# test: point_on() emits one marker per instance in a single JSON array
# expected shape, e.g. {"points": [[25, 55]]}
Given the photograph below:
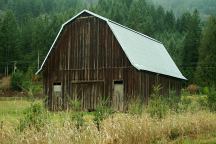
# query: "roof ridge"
{"points": [[108, 20], [135, 31]]}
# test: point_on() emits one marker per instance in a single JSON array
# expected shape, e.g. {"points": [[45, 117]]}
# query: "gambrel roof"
{"points": [[144, 52]]}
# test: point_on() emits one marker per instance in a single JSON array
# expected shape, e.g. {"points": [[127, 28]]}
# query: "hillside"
{"points": [[205, 7]]}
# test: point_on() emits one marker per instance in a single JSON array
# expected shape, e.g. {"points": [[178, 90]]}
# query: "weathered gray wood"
{"points": [[88, 57]]}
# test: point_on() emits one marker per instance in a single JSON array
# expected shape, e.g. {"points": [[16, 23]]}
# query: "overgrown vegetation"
{"points": [[212, 99], [34, 117], [38, 126], [135, 107], [21, 81], [101, 112]]}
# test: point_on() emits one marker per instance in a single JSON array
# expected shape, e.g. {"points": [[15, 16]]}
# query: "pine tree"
{"points": [[118, 10], [207, 61], [140, 17], [191, 45], [9, 39]]}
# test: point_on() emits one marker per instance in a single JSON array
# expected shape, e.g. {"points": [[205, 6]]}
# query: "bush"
{"points": [[101, 112], [75, 105], [172, 100], [192, 103], [79, 120], [205, 90], [34, 116], [17, 80], [135, 107], [157, 106], [193, 89], [212, 99]]}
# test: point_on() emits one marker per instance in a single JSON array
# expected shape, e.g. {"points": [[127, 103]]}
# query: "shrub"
{"points": [[192, 103], [78, 119], [172, 100], [75, 105], [193, 89], [157, 106], [135, 107], [17, 80], [34, 116], [205, 90], [212, 99], [101, 112]]}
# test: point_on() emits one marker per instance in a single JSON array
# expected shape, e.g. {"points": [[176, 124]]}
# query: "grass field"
{"points": [[187, 127]]}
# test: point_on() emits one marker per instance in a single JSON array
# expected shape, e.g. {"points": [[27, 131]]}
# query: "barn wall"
{"points": [[87, 59]]}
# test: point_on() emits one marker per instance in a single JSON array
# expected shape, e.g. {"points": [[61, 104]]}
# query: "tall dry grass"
{"points": [[118, 128]]}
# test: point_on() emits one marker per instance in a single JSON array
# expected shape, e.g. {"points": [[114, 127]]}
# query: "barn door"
{"points": [[118, 96], [87, 93], [57, 97]]}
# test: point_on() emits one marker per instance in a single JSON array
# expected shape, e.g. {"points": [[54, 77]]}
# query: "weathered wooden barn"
{"points": [[94, 58]]}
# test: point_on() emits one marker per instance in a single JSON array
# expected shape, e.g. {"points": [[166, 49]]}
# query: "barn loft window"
{"points": [[118, 82], [57, 87], [57, 96], [118, 95]]}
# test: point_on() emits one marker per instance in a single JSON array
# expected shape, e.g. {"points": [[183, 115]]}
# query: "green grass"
{"points": [[12, 109]]}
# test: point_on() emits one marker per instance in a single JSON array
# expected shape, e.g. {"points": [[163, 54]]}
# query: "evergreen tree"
{"points": [[207, 61], [140, 17], [183, 23], [9, 39], [118, 11], [191, 45], [169, 21]]}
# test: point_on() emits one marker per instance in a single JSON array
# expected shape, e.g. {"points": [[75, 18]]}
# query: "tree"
{"points": [[118, 11], [169, 21], [191, 45], [140, 17], [9, 39], [207, 61], [183, 23]]}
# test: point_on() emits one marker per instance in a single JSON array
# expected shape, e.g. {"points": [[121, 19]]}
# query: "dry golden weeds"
{"points": [[117, 129]]}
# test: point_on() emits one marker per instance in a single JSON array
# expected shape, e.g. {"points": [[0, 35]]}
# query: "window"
{"points": [[57, 87], [118, 82]]}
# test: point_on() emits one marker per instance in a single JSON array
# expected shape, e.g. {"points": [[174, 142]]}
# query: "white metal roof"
{"points": [[144, 53]]}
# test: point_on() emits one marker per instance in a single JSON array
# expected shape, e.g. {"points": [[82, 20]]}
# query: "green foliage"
{"points": [[75, 105], [172, 100], [136, 107], [34, 117], [212, 99], [205, 90], [9, 44], [157, 106], [78, 119], [16, 80], [23, 81], [101, 112], [206, 68], [193, 103], [191, 46]]}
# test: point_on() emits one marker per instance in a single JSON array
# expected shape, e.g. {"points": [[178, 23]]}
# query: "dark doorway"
{"points": [[118, 95]]}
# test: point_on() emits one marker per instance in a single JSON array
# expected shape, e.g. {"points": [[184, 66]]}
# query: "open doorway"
{"points": [[118, 95], [57, 96]]}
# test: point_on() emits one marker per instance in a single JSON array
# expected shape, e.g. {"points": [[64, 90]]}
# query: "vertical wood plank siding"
{"points": [[86, 60]]}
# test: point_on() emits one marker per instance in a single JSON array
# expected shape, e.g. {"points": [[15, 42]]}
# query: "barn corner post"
{"points": [[93, 57]]}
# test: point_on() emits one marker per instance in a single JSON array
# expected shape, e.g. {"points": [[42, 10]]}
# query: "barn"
{"points": [[93, 59]]}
